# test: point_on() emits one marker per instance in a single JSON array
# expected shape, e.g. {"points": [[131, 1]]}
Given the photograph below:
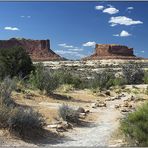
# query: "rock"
{"points": [[52, 126], [122, 95], [82, 115], [98, 104], [108, 92], [125, 104], [63, 126], [117, 106], [39, 50], [81, 110], [132, 98], [87, 111], [125, 110], [102, 95], [111, 51]]}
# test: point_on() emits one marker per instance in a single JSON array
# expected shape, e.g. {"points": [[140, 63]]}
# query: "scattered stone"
{"points": [[82, 115], [125, 110], [87, 111], [108, 92], [98, 104], [63, 126], [81, 110], [132, 98], [102, 94], [117, 106]]}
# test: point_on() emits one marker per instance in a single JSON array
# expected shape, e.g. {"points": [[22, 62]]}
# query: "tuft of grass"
{"points": [[135, 126], [25, 123], [68, 114], [65, 88]]}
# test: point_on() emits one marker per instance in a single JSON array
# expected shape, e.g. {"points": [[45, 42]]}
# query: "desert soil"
{"points": [[103, 121]]}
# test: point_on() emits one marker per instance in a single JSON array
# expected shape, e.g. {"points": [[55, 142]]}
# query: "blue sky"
{"points": [[74, 27]]}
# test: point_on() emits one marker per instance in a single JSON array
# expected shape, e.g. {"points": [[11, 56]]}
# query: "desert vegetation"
{"points": [[21, 81]]}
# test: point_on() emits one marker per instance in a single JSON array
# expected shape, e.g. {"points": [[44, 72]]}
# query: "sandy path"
{"points": [[99, 134]]}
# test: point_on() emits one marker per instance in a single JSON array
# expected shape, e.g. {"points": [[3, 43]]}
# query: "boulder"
{"points": [[81, 110]]}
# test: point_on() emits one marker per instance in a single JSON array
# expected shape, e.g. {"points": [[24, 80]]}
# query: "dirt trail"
{"points": [[99, 134]]}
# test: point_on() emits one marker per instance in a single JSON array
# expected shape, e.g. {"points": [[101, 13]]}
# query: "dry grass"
{"points": [[48, 106]]}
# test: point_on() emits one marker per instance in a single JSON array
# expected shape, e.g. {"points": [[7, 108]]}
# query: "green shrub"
{"points": [[68, 114], [65, 77], [103, 80], [133, 73], [135, 126], [146, 77], [26, 123], [6, 88], [14, 62], [5, 113], [64, 88], [42, 79]]}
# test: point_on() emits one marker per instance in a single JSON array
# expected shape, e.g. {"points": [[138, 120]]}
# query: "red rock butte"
{"points": [[112, 51], [39, 50]]}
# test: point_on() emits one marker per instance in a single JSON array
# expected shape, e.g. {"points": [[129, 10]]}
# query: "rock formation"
{"points": [[111, 51], [39, 50]]}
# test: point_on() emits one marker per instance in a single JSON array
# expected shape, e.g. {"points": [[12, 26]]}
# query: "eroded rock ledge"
{"points": [[112, 51], [39, 50]]}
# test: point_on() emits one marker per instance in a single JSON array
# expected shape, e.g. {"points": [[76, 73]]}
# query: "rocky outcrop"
{"points": [[39, 50], [111, 51]]}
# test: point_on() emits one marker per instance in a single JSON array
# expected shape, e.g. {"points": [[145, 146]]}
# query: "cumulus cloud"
{"points": [[12, 28], [65, 45], [123, 33], [130, 8], [89, 44], [123, 20], [99, 7], [111, 10], [143, 51]]}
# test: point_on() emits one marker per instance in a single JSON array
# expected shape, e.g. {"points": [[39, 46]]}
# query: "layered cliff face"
{"points": [[111, 51], [39, 50]]}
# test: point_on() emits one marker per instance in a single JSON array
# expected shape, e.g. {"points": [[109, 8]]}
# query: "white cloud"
{"points": [[23, 16], [99, 7], [76, 49], [123, 20], [123, 33], [89, 44], [12, 28], [130, 8], [142, 51], [65, 52], [111, 10], [70, 54], [65, 45]]}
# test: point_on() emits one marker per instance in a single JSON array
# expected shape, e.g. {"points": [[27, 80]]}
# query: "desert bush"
{"points": [[65, 88], [146, 77], [42, 79], [14, 62], [6, 88], [26, 123], [65, 77], [105, 80], [135, 126], [133, 73], [68, 114], [5, 113]]}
